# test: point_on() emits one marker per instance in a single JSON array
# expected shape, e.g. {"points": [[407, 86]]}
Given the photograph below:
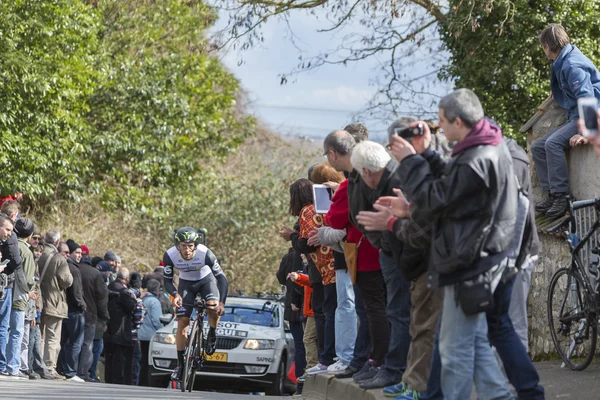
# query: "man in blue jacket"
{"points": [[573, 76]]}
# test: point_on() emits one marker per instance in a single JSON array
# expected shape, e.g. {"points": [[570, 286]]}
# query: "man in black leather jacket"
{"points": [[474, 205]]}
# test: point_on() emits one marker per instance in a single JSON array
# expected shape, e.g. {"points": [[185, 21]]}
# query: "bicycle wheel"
{"points": [[189, 371], [573, 324], [196, 353]]}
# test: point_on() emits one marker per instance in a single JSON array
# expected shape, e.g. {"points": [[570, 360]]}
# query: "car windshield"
{"points": [[251, 314]]}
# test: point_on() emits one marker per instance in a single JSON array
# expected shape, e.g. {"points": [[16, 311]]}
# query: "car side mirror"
{"points": [[286, 326], [165, 319]]}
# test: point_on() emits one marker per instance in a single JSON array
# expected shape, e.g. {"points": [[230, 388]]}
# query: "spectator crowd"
{"points": [[422, 264], [62, 309]]}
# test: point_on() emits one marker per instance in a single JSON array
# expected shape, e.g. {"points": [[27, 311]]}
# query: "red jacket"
{"points": [[307, 308], [338, 217]]}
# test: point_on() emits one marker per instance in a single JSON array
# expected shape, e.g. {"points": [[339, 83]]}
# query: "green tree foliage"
{"points": [[163, 107], [47, 52], [117, 98], [495, 50]]}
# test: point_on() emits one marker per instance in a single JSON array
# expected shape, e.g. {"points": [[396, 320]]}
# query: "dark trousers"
{"points": [[329, 306], [318, 299], [97, 351], [144, 348], [398, 314], [372, 291], [297, 331], [36, 359], [518, 366], [86, 356], [74, 328], [119, 363], [362, 345], [434, 383], [137, 358]]}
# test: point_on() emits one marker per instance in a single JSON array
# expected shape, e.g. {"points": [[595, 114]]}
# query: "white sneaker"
{"points": [[75, 379], [317, 369], [339, 366]]}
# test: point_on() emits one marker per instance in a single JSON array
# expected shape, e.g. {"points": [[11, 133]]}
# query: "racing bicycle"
{"points": [[573, 298], [195, 351]]}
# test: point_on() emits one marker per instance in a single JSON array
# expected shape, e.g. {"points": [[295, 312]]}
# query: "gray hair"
{"points": [[52, 236], [123, 273], [358, 131], [463, 104], [339, 141], [153, 285], [369, 155], [62, 244], [400, 123]]}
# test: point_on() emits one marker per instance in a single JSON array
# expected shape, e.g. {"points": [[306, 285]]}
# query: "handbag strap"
{"points": [[360, 241], [46, 267]]}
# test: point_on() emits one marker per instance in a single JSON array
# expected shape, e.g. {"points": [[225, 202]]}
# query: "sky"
{"points": [[312, 103]]}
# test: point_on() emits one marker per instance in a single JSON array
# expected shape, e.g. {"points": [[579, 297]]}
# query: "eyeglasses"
{"points": [[326, 153], [36, 238]]}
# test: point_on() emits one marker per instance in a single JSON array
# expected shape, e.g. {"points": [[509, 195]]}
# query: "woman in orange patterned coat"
{"points": [[301, 205]]}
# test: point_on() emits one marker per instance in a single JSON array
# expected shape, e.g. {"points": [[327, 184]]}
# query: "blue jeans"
{"points": [[518, 366], [550, 159], [5, 309], [97, 350], [345, 317], [362, 345], [86, 356], [297, 331], [329, 306], [36, 357], [75, 330], [398, 314], [467, 355], [15, 339]]}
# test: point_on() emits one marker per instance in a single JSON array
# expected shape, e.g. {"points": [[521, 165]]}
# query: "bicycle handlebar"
{"points": [[585, 203]]}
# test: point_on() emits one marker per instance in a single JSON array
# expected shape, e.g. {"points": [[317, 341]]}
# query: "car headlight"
{"points": [[166, 338], [259, 344]]}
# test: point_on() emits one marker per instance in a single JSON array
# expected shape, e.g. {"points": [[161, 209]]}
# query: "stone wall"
{"points": [[584, 176]]}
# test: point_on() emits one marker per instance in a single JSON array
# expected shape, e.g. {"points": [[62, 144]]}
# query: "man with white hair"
{"points": [[410, 242]]}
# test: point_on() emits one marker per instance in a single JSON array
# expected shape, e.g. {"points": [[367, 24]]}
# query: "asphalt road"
{"points": [[40, 389]]}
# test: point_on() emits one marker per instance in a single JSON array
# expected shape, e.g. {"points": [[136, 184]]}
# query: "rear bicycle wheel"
{"points": [[189, 371], [573, 324]]}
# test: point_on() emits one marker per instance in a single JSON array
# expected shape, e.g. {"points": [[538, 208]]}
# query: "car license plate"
{"points": [[217, 357]]}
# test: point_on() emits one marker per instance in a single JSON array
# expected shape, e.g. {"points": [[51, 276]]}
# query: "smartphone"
{"points": [[322, 198], [588, 112]]}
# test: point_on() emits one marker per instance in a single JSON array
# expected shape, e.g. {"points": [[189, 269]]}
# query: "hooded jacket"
{"points": [[573, 76], [473, 204]]}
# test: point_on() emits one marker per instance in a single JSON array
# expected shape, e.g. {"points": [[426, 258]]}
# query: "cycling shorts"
{"points": [[188, 290]]}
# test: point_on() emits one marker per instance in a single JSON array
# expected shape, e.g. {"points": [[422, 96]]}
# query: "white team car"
{"points": [[255, 351]]}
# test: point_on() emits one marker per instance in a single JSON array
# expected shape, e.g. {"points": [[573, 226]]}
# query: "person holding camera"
{"points": [[473, 205], [573, 76]]}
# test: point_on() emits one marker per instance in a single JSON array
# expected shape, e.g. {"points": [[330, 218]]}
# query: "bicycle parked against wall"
{"points": [[573, 297]]}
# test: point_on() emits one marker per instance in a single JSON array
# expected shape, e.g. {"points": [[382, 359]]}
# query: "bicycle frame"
{"points": [[578, 268]]}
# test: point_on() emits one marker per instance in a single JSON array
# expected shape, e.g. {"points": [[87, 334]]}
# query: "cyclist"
{"points": [[199, 274]]}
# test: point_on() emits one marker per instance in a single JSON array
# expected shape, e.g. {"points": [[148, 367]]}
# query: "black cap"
{"points": [[24, 227], [72, 245]]}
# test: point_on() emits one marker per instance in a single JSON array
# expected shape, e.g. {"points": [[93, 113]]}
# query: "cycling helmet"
{"points": [[186, 235]]}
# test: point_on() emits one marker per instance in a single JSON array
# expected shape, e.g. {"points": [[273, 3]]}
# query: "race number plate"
{"points": [[217, 357]]}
